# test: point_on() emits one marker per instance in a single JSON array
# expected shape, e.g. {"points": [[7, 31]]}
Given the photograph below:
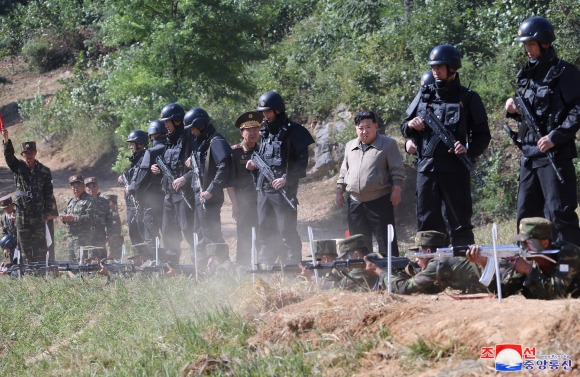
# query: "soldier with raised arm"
{"points": [[34, 197]]}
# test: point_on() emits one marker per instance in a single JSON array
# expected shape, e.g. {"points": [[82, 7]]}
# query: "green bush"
{"points": [[43, 54]]}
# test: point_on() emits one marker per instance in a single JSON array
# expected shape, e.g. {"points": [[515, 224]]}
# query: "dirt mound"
{"points": [[447, 333]]}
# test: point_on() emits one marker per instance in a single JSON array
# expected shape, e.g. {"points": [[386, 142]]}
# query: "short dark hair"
{"points": [[364, 115]]}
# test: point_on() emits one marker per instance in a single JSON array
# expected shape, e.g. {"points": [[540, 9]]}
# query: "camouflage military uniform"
{"points": [[103, 222], [564, 277], [440, 273], [117, 240], [561, 280], [8, 225], [351, 280], [80, 231], [34, 201]]}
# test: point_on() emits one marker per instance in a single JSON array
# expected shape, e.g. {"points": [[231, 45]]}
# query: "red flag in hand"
{"points": [[1, 124]]}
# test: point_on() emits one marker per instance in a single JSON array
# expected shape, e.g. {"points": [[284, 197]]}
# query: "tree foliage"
{"points": [[134, 56]]}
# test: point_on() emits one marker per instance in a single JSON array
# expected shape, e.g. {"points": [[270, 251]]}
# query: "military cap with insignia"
{"points": [[218, 249], [76, 178], [28, 146], [353, 243], [534, 227], [249, 119], [325, 247], [91, 180], [5, 201], [429, 238]]}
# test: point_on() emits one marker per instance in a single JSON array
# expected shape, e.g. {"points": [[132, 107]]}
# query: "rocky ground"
{"points": [[454, 330]]}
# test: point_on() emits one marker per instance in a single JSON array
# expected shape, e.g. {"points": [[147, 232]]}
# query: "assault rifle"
{"points": [[449, 140], [54, 267], [397, 263], [197, 174], [529, 121], [276, 268], [133, 201], [503, 251], [170, 177], [267, 173]]}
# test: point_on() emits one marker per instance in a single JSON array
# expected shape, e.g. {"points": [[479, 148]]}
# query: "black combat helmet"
{"points": [[271, 101], [173, 112], [445, 54], [156, 127], [8, 242], [139, 137], [427, 78], [196, 118], [536, 28]]}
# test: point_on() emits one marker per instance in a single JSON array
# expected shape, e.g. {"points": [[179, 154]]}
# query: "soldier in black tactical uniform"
{"points": [[284, 148], [146, 186], [177, 216], [138, 140], [214, 164], [551, 87], [443, 182]]}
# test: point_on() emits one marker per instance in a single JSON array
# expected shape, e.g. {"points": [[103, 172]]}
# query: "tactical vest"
{"points": [[452, 115], [545, 100], [275, 149]]}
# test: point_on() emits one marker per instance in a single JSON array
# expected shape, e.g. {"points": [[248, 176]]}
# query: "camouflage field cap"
{"points": [[325, 247], [28, 146], [218, 250], [535, 227], [429, 238], [111, 197], [249, 119], [352, 243], [76, 178], [91, 180], [5, 201]]}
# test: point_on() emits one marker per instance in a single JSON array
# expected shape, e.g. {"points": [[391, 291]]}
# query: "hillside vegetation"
{"points": [[131, 57]]}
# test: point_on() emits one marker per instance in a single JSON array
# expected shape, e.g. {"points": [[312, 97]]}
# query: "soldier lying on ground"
{"points": [[540, 279], [435, 274], [354, 279]]}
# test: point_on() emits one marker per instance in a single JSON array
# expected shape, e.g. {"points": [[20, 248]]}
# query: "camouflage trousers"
{"points": [[32, 237], [74, 245]]}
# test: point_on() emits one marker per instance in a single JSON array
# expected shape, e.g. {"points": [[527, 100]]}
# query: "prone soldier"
{"points": [[436, 274], [541, 279]]}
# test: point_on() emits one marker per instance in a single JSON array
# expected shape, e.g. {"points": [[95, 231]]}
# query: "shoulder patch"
{"points": [[237, 146]]}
